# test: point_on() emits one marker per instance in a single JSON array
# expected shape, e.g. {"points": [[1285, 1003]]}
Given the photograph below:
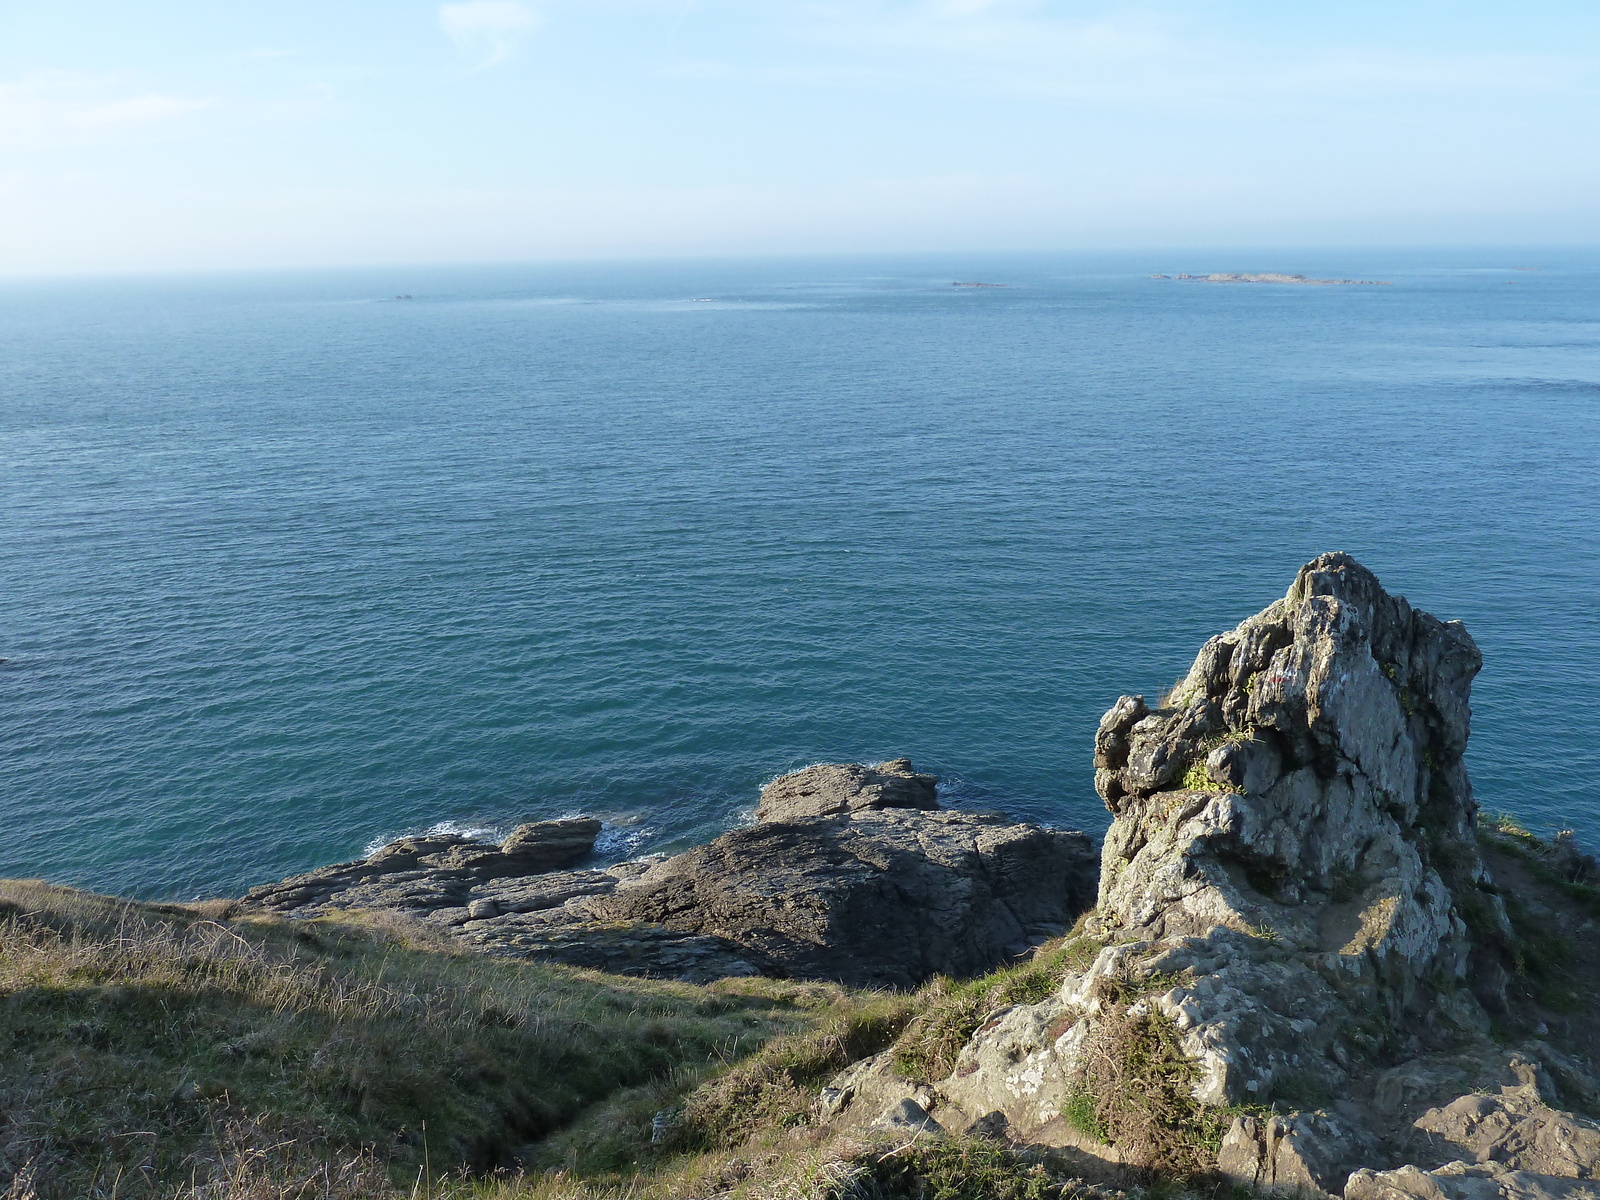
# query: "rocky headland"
{"points": [[1300, 962], [1300, 973], [1293, 966]]}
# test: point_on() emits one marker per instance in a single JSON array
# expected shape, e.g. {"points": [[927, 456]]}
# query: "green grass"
{"points": [[1081, 1111], [721, 1105], [1143, 1081], [150, 1045]]}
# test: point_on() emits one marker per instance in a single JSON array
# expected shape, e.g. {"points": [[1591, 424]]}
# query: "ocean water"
{"points": [[289, 566]]}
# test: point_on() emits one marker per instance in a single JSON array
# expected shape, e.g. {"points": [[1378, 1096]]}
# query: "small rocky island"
{"points": [[1274, 277]]}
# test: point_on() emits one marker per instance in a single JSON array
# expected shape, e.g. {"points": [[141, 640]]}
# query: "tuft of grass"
{"points": [[1081, 1111], [1344, 884], [1143, 1084], [1176, 696]]}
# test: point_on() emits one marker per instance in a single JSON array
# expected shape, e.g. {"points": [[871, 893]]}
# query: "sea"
{"points": [[295, 563]]}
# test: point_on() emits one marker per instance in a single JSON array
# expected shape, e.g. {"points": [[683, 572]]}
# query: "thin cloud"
{"points": [[1139, 59], [55, 109], [486, 32]]}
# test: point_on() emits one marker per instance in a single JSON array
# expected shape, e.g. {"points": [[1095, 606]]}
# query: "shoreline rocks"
{"points": [[852, 873]]}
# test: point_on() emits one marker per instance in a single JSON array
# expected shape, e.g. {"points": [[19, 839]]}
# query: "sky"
{"points": [[156, 135]]}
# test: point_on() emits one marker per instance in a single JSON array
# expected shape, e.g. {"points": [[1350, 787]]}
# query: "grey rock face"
{"points": [[833, 788], [1464, 1181], [1292, 1153], [1518, 1131], [1293, 833], [877, 897]]}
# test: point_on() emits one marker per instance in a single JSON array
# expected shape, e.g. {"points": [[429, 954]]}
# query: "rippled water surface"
{"points": [[287, 566]]}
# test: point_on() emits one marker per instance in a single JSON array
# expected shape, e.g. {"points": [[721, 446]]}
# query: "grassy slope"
{"points": [[148, 1049], [149, 1045], [162, 1050]]}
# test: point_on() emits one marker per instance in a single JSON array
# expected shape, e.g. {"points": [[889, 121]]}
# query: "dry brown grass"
{"points": [[1142, 1085]]}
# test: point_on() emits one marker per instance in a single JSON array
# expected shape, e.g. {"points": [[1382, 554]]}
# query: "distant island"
{"points": [[1272, 277], [980, 285]]}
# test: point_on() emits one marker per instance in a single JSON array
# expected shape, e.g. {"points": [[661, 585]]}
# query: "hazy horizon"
{"points": [[1111, 261], [177, 137]]}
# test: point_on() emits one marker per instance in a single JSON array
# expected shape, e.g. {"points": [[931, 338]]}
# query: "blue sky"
{"points": [[183, 134]]}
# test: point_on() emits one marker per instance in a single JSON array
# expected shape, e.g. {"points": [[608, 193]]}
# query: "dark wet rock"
{"points": [[833, 788], [419, 875], [877, 897]]}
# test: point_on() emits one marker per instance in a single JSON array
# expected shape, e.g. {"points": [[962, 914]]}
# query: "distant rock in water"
{"points": [[1274, 277], [850, 875], [1298, 953]]}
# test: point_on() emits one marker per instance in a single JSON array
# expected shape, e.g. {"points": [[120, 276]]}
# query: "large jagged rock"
{"points": [[858, 882], [1293, 833], [1299, 946]]}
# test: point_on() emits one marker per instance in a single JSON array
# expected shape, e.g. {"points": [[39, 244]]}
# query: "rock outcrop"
{"points": [[830, 789], [851, 874], [1297, 952], [424, 875], [871, 897]]}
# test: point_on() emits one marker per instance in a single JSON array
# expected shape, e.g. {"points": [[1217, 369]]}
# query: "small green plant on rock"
{"points": [[1344, 885], [1082, 1113]]}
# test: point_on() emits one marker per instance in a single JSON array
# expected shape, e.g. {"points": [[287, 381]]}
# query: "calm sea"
{"points": [[289, 566]]}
